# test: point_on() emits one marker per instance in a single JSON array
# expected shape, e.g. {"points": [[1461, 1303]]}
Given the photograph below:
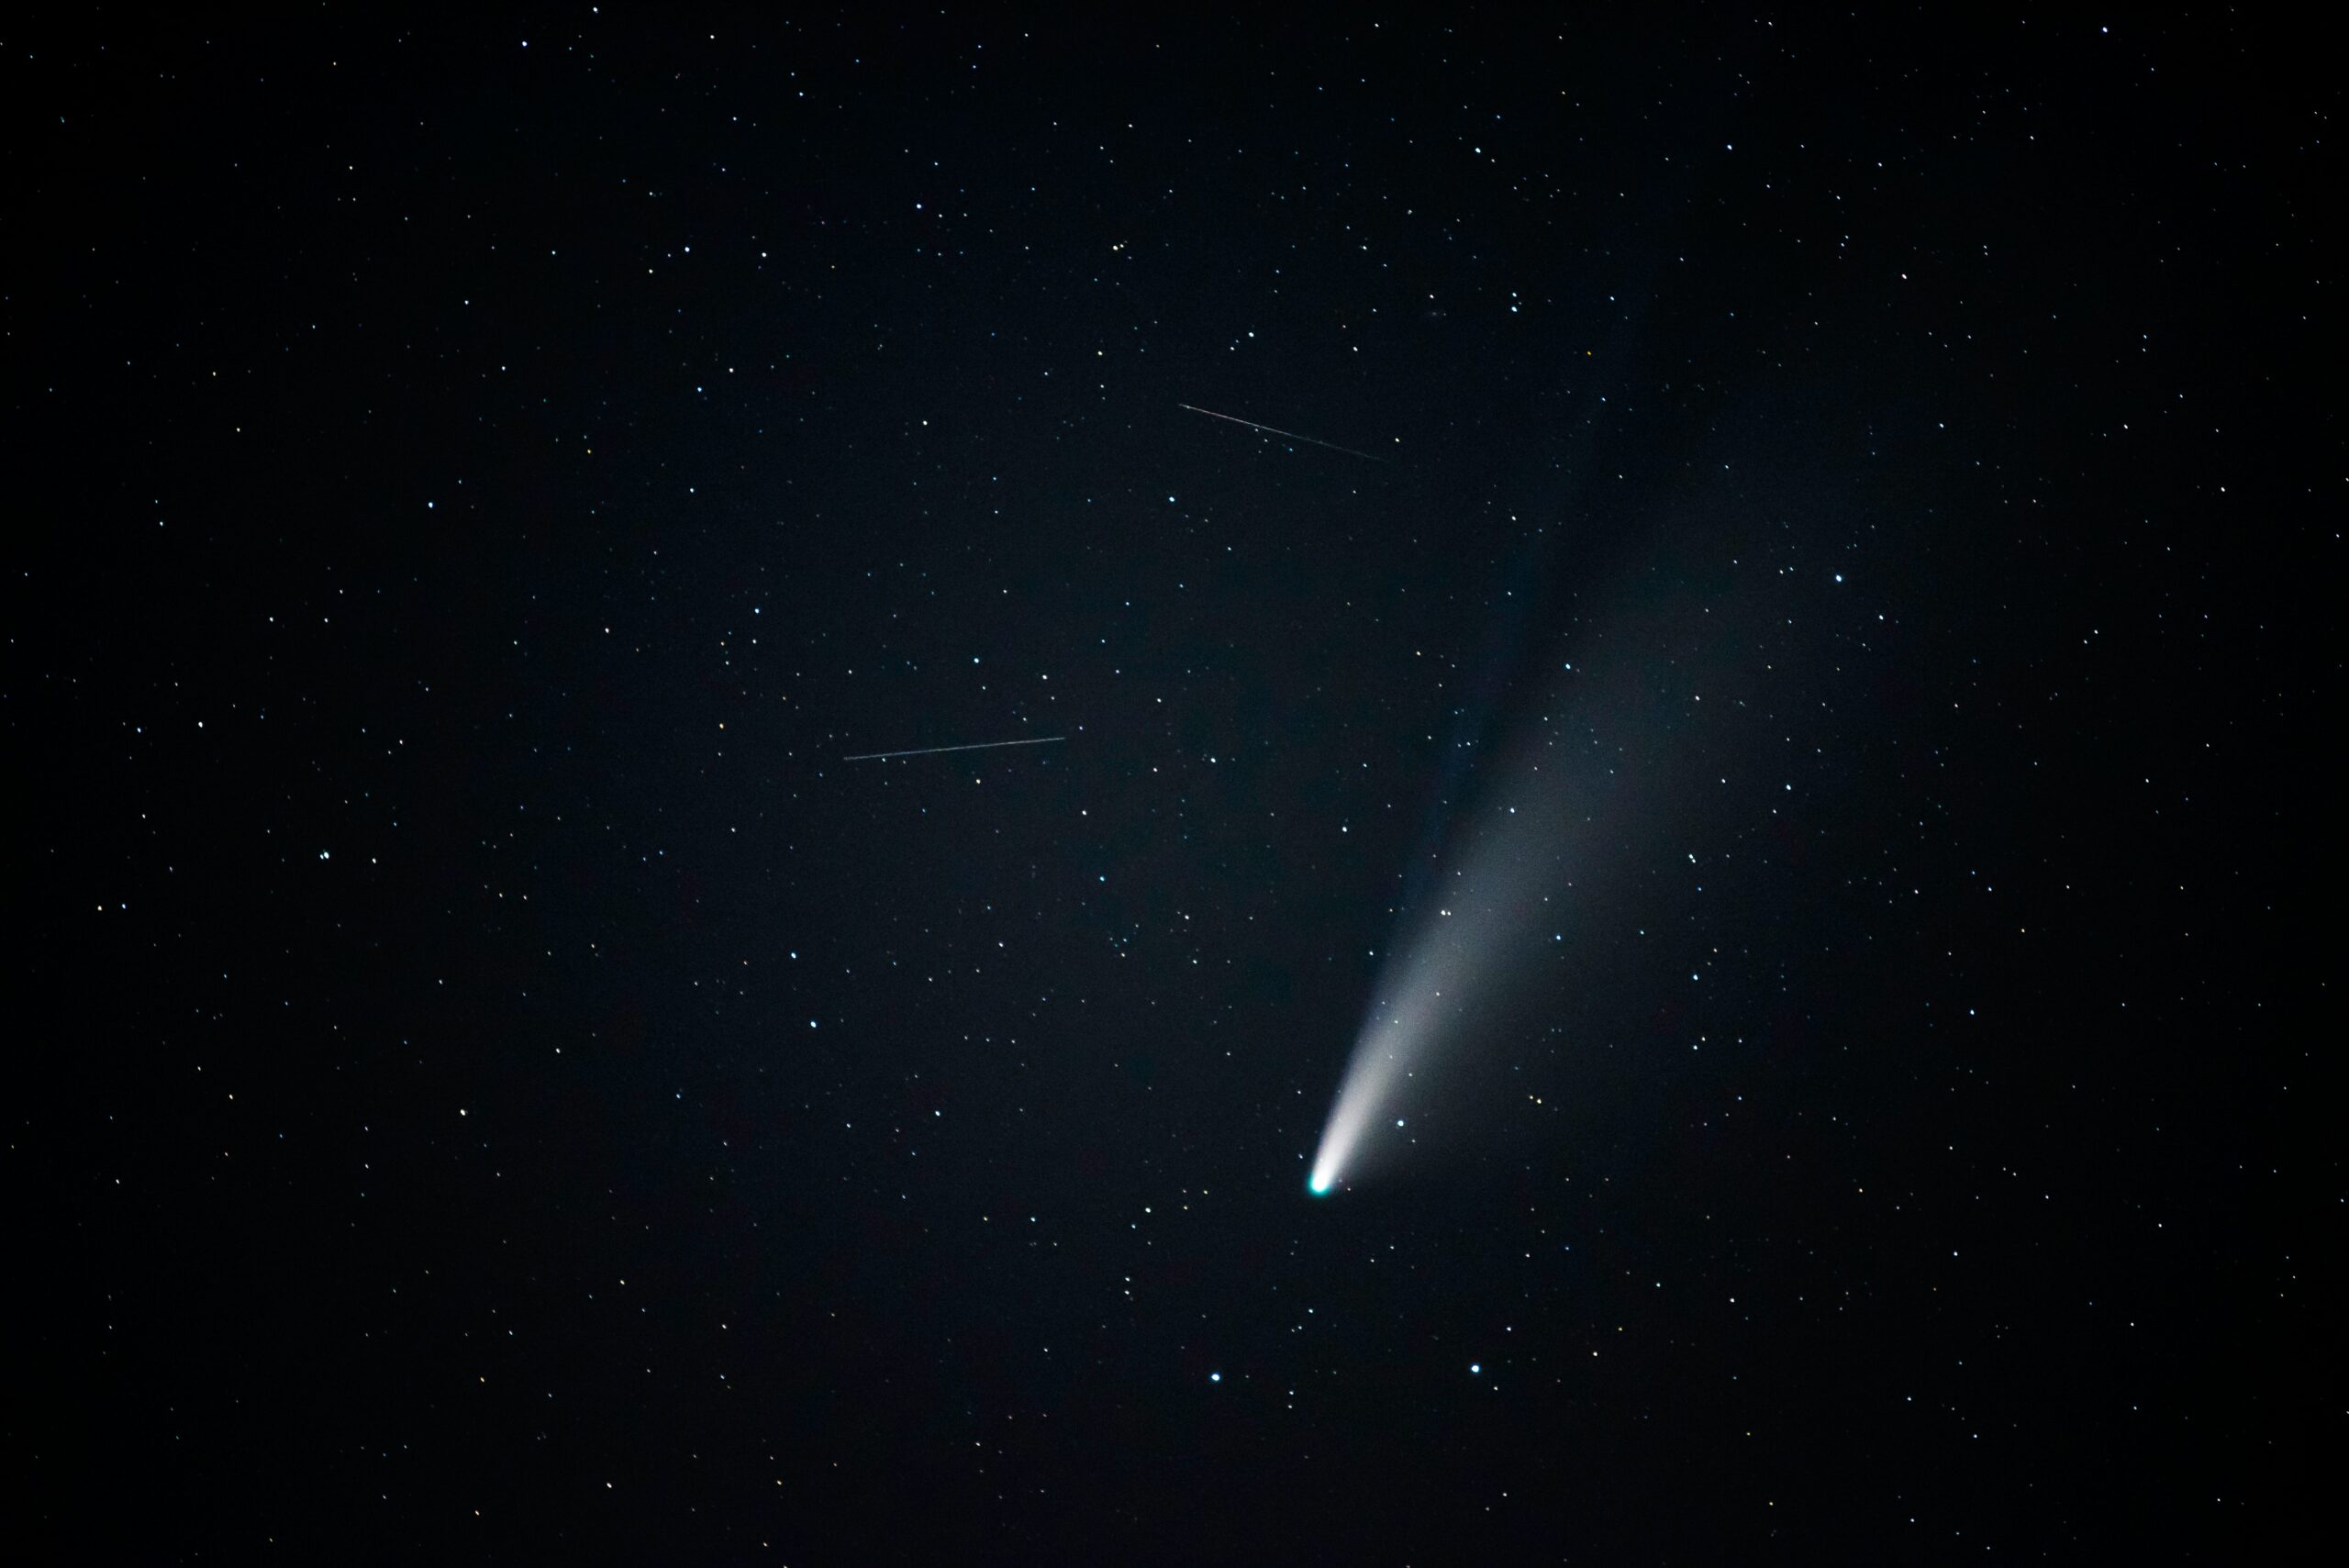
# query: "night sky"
{"points": [[494, 1082]]}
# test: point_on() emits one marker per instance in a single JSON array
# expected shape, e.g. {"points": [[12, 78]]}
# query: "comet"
{"points": [[1598, 766], [1474, 940], [1460, 960]]}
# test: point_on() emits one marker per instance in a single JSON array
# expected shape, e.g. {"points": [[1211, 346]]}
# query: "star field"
{"points": [[1793, 548]]}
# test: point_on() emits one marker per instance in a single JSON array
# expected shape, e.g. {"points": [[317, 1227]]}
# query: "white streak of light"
{"points": [[934, 751]]}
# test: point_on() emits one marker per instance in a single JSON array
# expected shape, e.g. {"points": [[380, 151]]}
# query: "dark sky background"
{"points": [[495, 1084]]}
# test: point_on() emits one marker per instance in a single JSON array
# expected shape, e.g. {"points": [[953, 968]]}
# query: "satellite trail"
{"points": [[1287, 435], [934, 751]]}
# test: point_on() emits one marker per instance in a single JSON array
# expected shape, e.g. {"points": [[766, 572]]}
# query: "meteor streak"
{"points": [[1286, 435], [934, 751]]}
